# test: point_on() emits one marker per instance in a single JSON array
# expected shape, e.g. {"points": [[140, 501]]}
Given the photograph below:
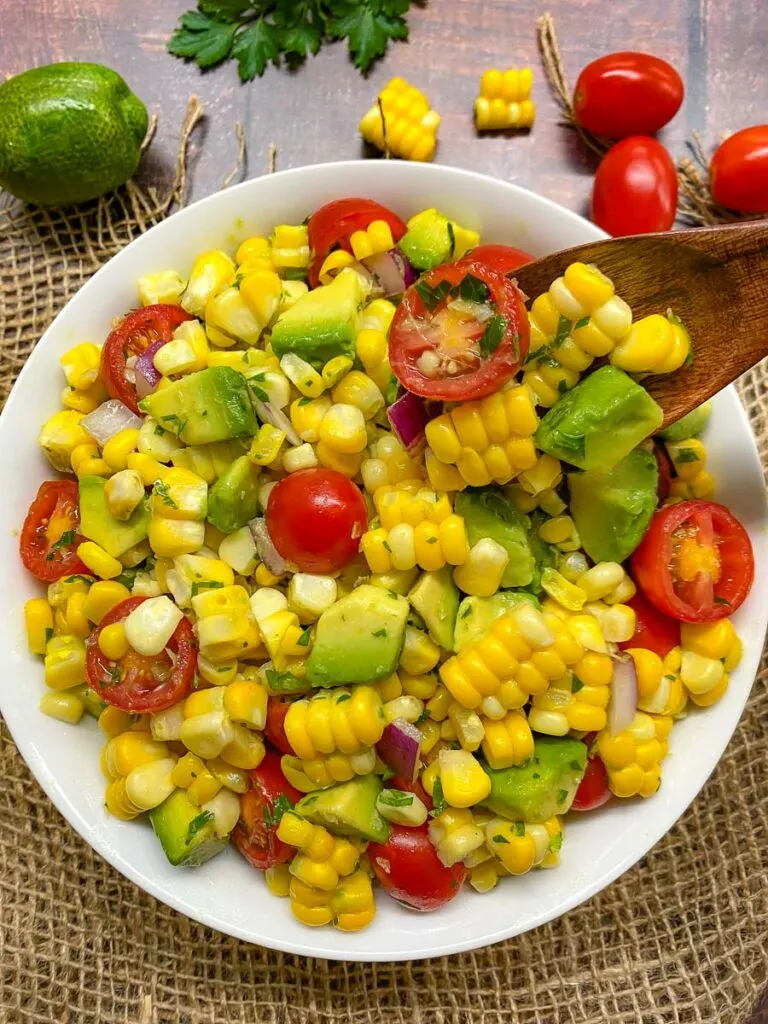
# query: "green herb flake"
{"points": [[393, 595], [64, 541], [581, 323], [466, 612], [519, 828], [48, 634], [206, 585], [257, 392], [127, 577], [273, 817], [499, 838], [452, 239], [162, 492], [304, 401], [562, 386], [432, 297], [576, 685], [82, 579], [159, 431], [576, 766], [685, 455], [115, 675], [438, 800], [670, 677], [471, 289], [175, 421], [431, 540], [535, 775], [379, 633], [387, 775], [422, 717], [385, 545], [285, 682], [493, 335], [396, 798], [342, 697], [562, 796], [198, 823], [305, 637], [555, 843]]}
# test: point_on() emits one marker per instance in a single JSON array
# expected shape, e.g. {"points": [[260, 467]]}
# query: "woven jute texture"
{"points": [[682, 937]]}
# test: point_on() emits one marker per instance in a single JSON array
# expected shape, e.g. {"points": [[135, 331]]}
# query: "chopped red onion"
{"points": [[392, 270], [399, 748], [408, 416], [623, 705], [147, 375], [268, 553], [269, 413], [109, 419]]}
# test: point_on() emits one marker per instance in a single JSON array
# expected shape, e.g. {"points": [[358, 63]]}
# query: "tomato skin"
{"points": [[254, 838], [654, 631], [408, 867], [135, 332], [593, 789], [138, 691], [54, 499], [739, 171], [316, 518], [502, 258], [635, 188], [652, 561], [627, 93], [492, 372], [274, 730], [333, 224]]}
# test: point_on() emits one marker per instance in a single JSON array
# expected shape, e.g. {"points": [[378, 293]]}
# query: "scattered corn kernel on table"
{"points": [[81, 944]]}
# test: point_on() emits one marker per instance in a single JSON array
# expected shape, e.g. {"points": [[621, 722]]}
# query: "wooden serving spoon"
{"points": [[714, 279]]}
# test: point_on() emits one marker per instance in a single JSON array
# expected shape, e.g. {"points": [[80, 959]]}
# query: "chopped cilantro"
{"points": [[175, 421], [203, 818], [396, 798], [471, 289], [544, 352], [438, 799], [581, 323], [67, 538], [256, 391], [279, 807], [82, 579], [342, 697], [387, 775], [562, 386], [452, 239], [162, 491], [304, 401], [493, 335], [519, 828], [686, 455], [393, 594], [304, 639], [159, 431], [379, 632], [576, 766], [431, 540], [127, 577], [670, 677], [535, 775], [432, 297], [562, 796], [206, 585], [386, 547], [422, 717], [576, 685], [499, 838], [555, 843], [48, 633], [285, 682]]}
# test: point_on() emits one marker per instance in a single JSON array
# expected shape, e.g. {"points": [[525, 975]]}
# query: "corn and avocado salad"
{"points": [[372, 568]]}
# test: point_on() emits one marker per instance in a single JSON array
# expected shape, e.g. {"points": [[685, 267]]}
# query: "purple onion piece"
{"points": [[399, 748], [147, 375], [268, 553], [623, 705], [392, 271], [408, 416]]}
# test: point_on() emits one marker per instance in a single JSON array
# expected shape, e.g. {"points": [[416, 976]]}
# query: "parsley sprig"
{"points": [[256, 33]]}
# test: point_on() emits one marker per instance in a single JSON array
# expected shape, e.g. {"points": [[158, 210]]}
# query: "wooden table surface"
{"points": [[311, 114]]}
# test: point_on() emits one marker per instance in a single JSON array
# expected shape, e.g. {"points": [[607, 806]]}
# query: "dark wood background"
{"points": [[719, 46]]}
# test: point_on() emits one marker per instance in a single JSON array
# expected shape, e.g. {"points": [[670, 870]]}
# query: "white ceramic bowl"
{"points": [[226, 893]]}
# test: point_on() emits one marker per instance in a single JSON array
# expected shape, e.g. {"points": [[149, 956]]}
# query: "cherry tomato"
{"points": [[408, 867], [439, 353], [627, 93], [316, 518], [635, 188], [695, 563], [593, 789], [255, 834], [331, 226], [274, 730], [666, 471], [502, 258], [49, 536], [140, 683], [135, 332], [739, 171], [654, 631]]}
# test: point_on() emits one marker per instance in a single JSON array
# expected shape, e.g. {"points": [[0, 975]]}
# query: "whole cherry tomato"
{"points": [[739, 171], [438, 353], [695, 563], [593, 789], [261, 809], [654, 631], [635, 189], [408, 867], [331, 226], [316, 518], [49, 536], [141, 683], [627, 93]]}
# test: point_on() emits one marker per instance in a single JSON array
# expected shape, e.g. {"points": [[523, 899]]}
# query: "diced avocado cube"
{"points": [[234, 498], [210, 405], [542, 787], [488, 513], [612, 510], [185, 831], [598, 422], [322, 323], [348, 809], [98, 524], [690, 425], [436, 598], [477, 614], [428, 242], [359, 638]]}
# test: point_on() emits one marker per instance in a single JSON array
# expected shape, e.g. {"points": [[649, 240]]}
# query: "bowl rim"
{"points": [[55, 792]]}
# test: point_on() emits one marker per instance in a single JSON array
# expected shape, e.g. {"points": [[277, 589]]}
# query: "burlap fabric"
{"points": [[680, 938]]}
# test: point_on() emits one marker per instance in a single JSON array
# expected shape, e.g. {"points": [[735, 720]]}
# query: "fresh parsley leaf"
{"points": [[544, 352], [576, 685], [493, 335], [162, 492], [471, 289], [432, 297], [255, 47], [205, 585], [303, 640], [396, 798], [438, 800], [367, 25], [202, 38], [198, 823], [499, 838], [519, 828]]}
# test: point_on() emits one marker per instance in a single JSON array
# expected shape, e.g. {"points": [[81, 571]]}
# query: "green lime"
{"points": [[68, 132]]}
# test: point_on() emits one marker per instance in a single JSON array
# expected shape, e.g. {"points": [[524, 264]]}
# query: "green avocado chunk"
{"points": [[98, 524], [436, 598], [185, 831], [348, 809], [428, 242], [234, 498], [690, 425], [359, 638], [545, 785], [612, 510], [478, 614], [323, 323], [488, 513], [598, 422], [210, 405]]}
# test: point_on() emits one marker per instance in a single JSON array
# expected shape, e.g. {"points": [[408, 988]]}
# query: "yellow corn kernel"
{"points": [[481, 574], [149, 469], [567, 594], [254, 250], [166, 286], [508, 741], [65, 707], [266, 445], [119, 447], [38, 619], [513, 844], [130, 750], [84, 401], [211, 273], [102, 598], [148, 785], [647, 345], [123, 493], [113, 721], [245, 701], [343, 429], [302, 375], [318, 874], [346, 464], [290, 246], [81, 365], [170, 538], [633, 757], [376, 238], [467, 726], [113, 641], [371, 347], [60, 435], [358, 390], [245, 750], [64, 662], [117, 801], [504, 101], [186, 770], [278, 879], [98, 561], [463, 780], [710, 697]]}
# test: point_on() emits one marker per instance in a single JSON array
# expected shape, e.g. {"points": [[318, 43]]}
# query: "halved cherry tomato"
{"points": [[654, 631], [49, 536], [331, 226], [140, 683], [463, 357], [695, 563], [739, 171], [666, 470], [502, 258], [274, 730], [408, 867], [627, 93], [255, 834], [316, 518], [635, 189], [593, 789], [135, 332]]}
